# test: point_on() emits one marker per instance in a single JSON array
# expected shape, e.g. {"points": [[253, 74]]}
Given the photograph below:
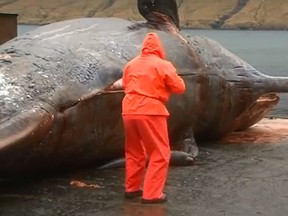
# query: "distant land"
{"points": [[199, 14]]}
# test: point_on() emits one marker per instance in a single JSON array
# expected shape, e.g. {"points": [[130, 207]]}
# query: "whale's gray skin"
{"points": [[56, 113], [178, 158]]}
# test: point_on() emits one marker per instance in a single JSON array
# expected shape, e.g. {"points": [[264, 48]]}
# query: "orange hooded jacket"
{"points": [[149, 80]]}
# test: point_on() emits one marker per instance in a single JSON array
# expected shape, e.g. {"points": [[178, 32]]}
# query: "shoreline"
{"points": [[185, 27]]}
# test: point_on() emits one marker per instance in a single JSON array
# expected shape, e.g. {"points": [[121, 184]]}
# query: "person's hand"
{"points": [[118, 85]]}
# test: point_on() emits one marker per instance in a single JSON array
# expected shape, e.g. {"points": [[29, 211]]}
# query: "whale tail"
{"points": [[159, 11]]}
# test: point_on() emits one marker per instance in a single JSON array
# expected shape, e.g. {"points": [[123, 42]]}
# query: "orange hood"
{"points": [[152, 45]]}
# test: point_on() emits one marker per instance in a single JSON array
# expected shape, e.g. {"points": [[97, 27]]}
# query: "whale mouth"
{"points": [[258, 110], [268, 98]]}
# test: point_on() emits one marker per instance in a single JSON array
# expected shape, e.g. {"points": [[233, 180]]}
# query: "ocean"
{"points": [[267, 51]]}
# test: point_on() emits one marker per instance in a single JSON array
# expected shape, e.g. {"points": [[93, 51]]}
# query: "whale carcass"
{"points": [[56, 109]]}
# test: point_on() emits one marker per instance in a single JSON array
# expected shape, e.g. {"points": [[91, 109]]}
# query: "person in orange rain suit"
{"points": [[148, 81]]}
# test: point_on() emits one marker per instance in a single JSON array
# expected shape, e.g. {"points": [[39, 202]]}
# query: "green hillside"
{"points": [[219, 14]]}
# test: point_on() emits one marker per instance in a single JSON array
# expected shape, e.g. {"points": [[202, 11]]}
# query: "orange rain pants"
{"points": [[146, 134], [148, 80]]}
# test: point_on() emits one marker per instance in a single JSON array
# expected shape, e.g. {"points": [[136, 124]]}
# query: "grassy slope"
{"points": [[271, 14], [202, 13], [268, 14]]}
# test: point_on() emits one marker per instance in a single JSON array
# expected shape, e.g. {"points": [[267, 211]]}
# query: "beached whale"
{"points": [[56, 109]]}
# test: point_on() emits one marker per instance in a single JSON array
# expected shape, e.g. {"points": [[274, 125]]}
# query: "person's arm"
{"points": [[124, 77], [120, 83], [172, 80], [117, 85]]}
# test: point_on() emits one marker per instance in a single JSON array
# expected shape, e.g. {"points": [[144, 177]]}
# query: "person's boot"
{"points": [[155, 201], [134, 194]]}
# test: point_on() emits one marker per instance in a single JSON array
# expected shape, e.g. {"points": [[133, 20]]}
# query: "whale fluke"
{"points": [[157, 11]]}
